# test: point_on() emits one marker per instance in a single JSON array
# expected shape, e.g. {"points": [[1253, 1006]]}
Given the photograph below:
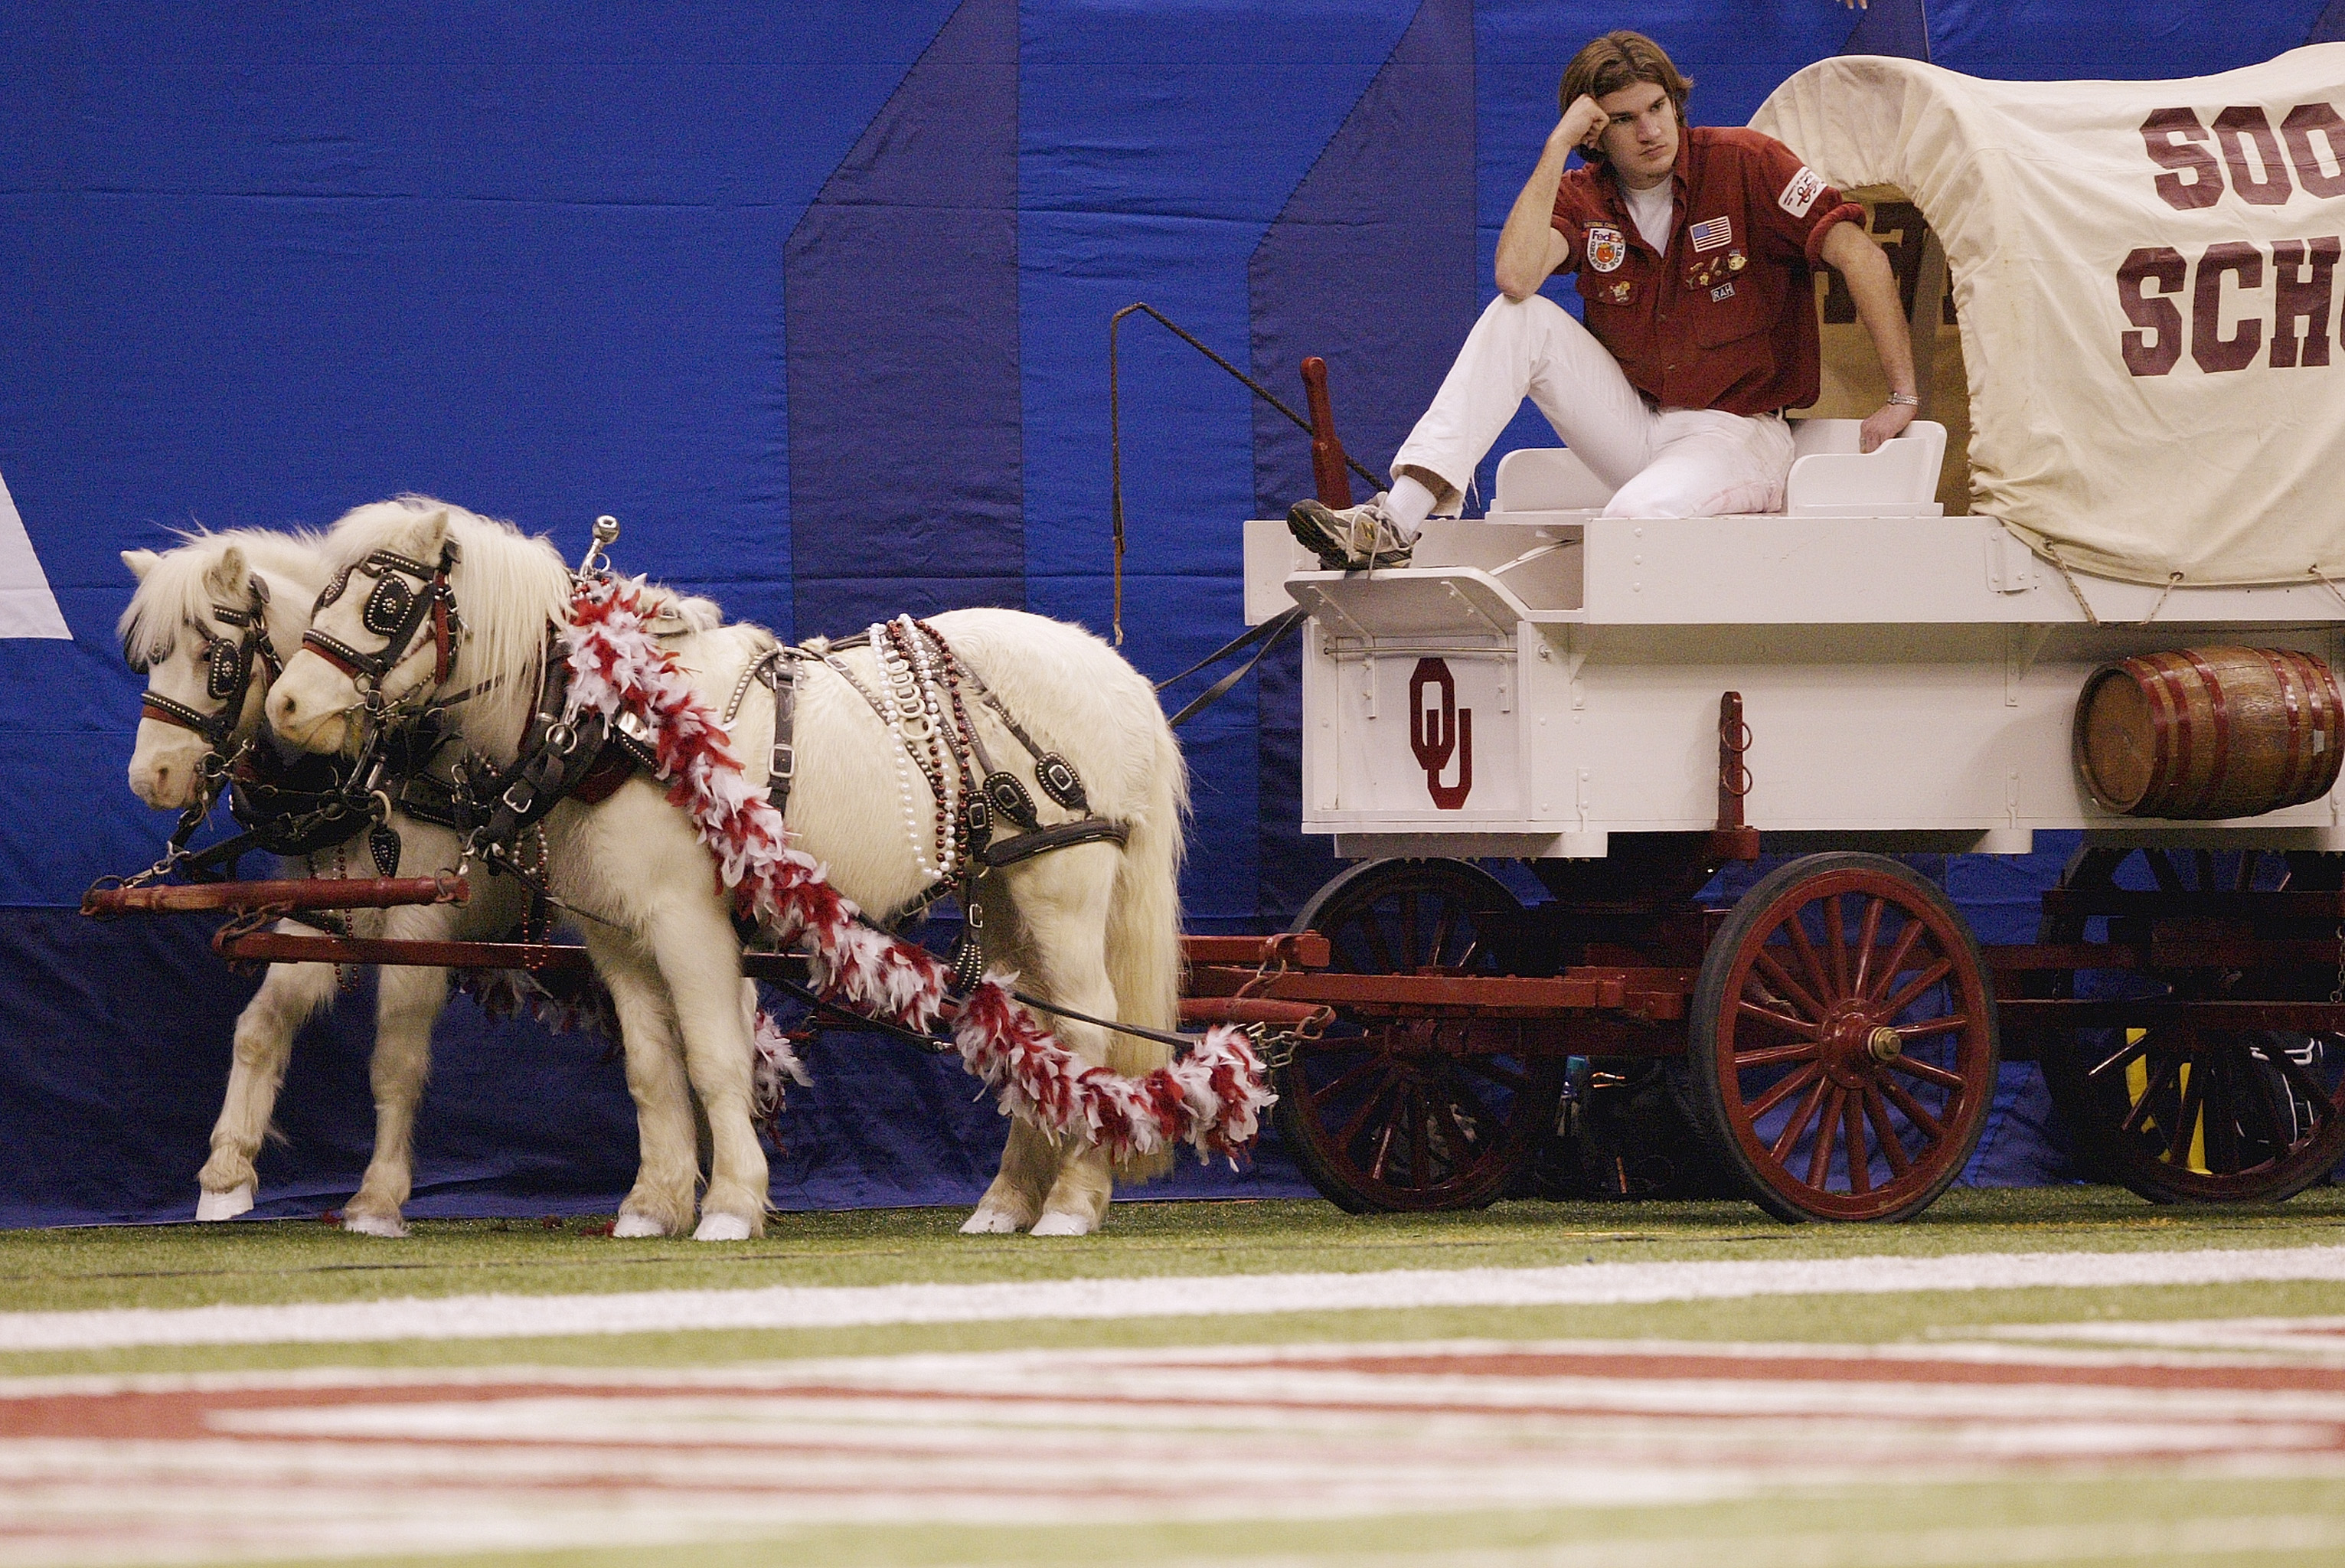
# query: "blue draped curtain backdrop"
{"points": [[815, 300]]}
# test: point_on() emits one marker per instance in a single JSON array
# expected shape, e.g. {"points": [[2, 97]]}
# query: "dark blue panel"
{"points": [[2330, 27], [1900, 27], [902, 317], [1370, 265], [1158, 143]]}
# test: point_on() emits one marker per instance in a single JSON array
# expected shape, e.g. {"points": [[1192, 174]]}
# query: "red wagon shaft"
{"points": [[305, 893]]}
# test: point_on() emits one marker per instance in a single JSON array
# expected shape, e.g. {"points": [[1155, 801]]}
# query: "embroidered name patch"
{"points": [[1711, 234], [1607, 249], [1723, 291], [1801, 193]]}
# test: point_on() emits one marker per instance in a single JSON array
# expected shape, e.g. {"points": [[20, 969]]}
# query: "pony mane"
{"points": [[508, 587], [174, 593]]}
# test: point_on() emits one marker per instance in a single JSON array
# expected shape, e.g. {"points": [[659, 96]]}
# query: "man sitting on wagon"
{"points": [[1693, 248]]}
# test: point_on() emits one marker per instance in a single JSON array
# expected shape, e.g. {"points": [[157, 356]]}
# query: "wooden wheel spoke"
{"points": [[1783, 1089], [1892, 1148], [1353, 1128], [1796, 933], [1868, 932], [2186, 1120], [1859, 1158], [1462, 1096], [1929, 1026], [1915, 1111], [2324, 1101], [1784, 1020], [2161, 1076], [1836, 945], [1895, 965], [1348, 1078], [2131, 1052], [1453, 1133], [1378, 1166], [1445, 927], [1774, 1055], [1925, 1072], [1380, 955], [1791, 990], [2161, 866], [1819, 1152], [1417, 956], [2279, 1121], [1913, 991], [1790, 1135]]}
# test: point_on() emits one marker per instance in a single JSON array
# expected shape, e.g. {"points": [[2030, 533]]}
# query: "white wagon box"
{"points": [[2127, 470]]}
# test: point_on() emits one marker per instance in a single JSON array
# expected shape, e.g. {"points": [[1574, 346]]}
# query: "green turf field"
{"points": [[2272, 1490]]}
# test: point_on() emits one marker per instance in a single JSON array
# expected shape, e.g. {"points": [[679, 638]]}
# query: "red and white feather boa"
{"points": [[1212, 1099]]}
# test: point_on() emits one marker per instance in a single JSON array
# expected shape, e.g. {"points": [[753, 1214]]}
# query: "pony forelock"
{"points": [[175, 591], [509, 587]]}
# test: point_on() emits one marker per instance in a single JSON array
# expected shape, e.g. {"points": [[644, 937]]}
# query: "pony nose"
{"points": [[282, 709], [154, 782]]}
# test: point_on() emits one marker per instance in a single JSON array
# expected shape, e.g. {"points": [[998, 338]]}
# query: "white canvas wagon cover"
{"points": [[2144, 274]]}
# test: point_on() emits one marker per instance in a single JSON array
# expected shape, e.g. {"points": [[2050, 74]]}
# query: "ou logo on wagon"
{"points": [[1439, 730]]}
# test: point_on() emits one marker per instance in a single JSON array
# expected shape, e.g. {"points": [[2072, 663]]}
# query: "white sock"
{"points": [[1408, 503]]}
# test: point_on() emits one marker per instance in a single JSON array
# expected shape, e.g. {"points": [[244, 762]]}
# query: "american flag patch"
{"points": [[1711, 234]]}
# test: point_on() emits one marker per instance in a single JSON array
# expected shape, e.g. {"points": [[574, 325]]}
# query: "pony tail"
{"points": [[1143, 924], [1143, 927]]}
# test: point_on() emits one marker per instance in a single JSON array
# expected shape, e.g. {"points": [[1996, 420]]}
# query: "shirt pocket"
{"points": [[1727, 311]]}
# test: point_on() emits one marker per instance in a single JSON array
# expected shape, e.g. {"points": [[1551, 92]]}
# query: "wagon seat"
{"points": [[1830, 478]]}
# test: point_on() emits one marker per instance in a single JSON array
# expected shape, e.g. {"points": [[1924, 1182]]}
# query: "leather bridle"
{"points": [[395, 611], [229, 675]]}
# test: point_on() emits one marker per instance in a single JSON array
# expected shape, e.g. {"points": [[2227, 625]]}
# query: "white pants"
{"points": [[1664, 462]]}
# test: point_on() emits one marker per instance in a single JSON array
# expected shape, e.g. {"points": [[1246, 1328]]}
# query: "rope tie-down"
{"points": [[1211, 1099]]}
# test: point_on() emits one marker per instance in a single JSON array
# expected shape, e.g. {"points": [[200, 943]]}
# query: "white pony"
{"points": [[181, 614], [1094, 926]]}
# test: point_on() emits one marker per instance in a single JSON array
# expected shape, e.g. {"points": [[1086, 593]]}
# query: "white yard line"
{"points": [[1179, 1296]]}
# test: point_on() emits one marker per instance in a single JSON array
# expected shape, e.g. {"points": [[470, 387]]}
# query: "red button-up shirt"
{"points": [[1726, 319]]}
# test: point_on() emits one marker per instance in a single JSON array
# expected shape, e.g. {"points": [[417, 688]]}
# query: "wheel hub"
{"points": [[1856, 1044]]}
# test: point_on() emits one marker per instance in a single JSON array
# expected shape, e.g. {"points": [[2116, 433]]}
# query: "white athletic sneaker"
{"points": [[1351, 540]]}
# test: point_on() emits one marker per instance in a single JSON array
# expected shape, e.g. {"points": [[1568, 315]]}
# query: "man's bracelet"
{"points": [[1905, 399]]}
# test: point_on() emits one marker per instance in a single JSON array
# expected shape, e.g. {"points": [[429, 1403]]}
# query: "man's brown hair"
{"points": [[1619, 60]]}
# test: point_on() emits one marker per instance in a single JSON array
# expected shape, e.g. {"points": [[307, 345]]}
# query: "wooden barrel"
{"points": [[2206, 733]]}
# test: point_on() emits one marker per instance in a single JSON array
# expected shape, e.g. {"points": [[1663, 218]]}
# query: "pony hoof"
{"points": [[722, 1228], [637, 1228], [225, 1204], [385, 1225], [991, 1222], [1057, 1223]]}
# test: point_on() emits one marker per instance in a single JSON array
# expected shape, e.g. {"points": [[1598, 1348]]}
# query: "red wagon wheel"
{"points": [[1843, 1040], [2185, 1114], [1400, 1113]]}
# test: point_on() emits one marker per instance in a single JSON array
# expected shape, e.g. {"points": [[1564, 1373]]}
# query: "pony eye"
{"points": [[386, 606]]}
